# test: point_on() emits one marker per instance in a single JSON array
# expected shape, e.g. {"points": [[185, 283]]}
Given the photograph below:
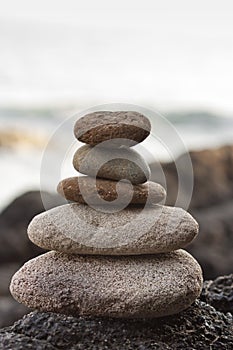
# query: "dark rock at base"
{"points": [[219, 293], [22, 342], [199, 327], [14, 242]]}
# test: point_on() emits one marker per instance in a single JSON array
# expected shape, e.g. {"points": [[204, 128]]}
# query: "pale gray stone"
{"points": [[79, 229], [144, 286]]}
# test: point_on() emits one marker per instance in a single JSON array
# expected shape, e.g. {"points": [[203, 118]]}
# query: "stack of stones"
{"points": [[123, 262]]}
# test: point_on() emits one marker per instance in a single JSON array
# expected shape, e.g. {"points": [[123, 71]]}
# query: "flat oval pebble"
{"points": [[79, 229], [113, 164], [96, 127], [85, 189], [128, 287]]}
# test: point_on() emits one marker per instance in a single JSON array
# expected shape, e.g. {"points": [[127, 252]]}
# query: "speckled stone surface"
{"points": [[90, 190], [145, 286], [97, 127], [114, 164], [79, 229]]}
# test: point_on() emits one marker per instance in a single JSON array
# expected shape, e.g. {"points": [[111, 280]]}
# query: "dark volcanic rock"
{"points": [[219, 293], [199, 327], [211, 205], [14, 242], [213, 246], [213, 177], [16, 248]]}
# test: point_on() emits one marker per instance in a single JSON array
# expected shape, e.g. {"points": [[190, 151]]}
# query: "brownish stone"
{"points": [[76, 188], [97, 127]]}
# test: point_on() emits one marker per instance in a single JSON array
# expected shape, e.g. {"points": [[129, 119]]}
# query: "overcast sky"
{"points": [[165, 54]]}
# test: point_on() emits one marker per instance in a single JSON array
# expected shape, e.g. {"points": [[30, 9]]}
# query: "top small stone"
{"points": [[97, 127]]}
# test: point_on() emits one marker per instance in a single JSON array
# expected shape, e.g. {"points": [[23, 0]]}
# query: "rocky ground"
{"points": [[211, 205], [200, 327]]}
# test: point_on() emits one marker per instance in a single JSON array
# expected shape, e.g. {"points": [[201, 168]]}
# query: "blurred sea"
{"points": [[24, 135]]}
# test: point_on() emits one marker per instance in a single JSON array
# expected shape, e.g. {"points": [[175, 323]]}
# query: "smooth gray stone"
{"points": [[113, 164]]}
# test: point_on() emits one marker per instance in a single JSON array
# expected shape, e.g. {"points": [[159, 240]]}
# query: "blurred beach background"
{"points": [[59, 58]]}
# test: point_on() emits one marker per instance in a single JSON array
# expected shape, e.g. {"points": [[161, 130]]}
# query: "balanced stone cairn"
{"points": [[106, 260]]}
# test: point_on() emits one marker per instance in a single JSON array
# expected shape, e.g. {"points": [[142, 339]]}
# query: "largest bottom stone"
{"points": [[142, 286]]}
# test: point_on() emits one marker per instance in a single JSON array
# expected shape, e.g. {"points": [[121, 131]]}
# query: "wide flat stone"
{"points": [[129, 126], [144, 286], [79, 229], [114, 164], [96, 191]]}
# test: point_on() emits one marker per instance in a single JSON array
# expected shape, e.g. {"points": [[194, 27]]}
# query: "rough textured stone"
{"points": [[200, 327], [79, 229], [145, 286], [219, 293], [113, 164], [97, 127], [85, 189]]}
